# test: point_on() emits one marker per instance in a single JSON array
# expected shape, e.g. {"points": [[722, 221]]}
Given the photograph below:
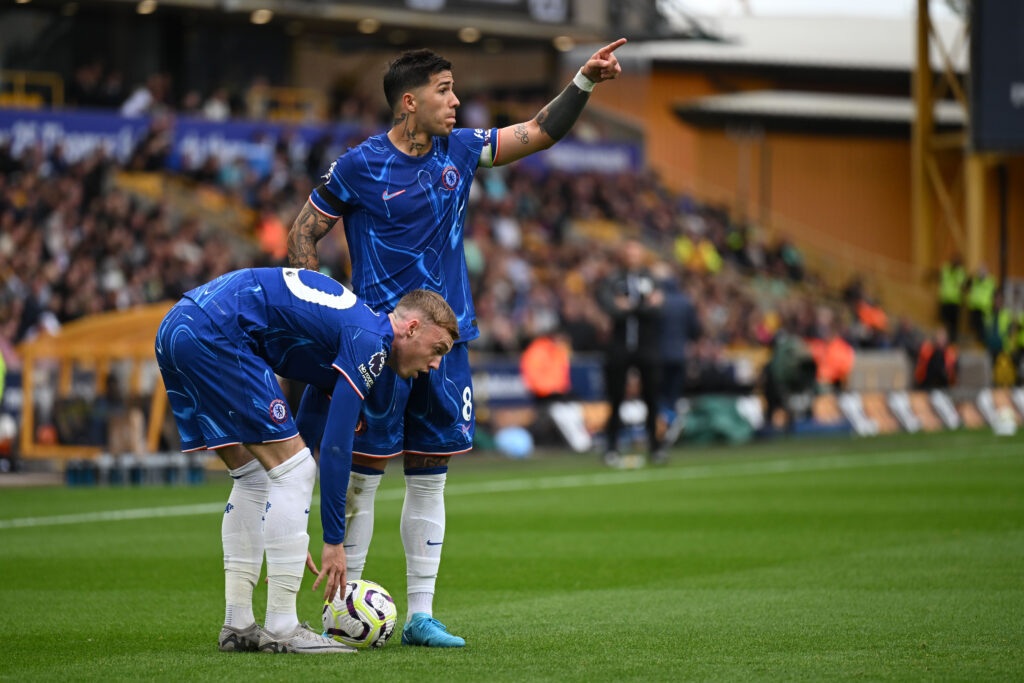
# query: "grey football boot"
{"points": [[239, 640], [303, 640]]}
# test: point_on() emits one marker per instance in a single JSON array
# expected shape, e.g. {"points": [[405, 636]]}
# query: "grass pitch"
{"points": [[894, 558]]}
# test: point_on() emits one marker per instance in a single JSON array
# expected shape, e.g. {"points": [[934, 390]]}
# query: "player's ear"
{"points": [[413, 327], [409, 102]]}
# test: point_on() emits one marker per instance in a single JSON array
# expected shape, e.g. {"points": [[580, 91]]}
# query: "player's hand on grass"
{"points": [[332, 566], [603, 65]]}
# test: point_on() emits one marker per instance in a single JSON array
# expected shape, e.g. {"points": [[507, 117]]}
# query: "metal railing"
{"points": [[31, 89]]}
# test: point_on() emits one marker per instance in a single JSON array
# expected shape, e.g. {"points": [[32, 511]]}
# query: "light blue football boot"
{"points": [[422, 629]]}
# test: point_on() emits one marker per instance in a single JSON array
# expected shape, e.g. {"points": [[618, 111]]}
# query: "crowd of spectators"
{"points": [[537, 247], [72, 245]]}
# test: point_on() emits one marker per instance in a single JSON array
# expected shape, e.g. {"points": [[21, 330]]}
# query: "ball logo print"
{"points": [[365, 617], [278, 411], [450, 177]]}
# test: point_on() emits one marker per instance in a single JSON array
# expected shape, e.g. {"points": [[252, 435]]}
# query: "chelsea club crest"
{"points": [[450, 177]]}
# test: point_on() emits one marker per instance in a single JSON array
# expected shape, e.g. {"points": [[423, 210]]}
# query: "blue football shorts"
{"points": [[220, 391], [430, 415]]}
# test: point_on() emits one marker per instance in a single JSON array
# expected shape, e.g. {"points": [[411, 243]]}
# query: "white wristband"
{"points": [[582, 82]]}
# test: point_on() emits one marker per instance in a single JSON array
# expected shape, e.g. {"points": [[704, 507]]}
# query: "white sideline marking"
{"points": [[563, 482]]}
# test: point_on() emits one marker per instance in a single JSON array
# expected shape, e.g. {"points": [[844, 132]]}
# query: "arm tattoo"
{"points": [[561, 113], [307, 230], [521, 133]]}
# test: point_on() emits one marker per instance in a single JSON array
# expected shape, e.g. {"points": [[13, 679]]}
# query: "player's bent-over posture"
{"points": [[218, 350], [403, 196]]}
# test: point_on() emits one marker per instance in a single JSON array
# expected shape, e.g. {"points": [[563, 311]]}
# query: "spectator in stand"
{"points": [[151, 153], [148, 98], [790, 372], [907, 337], [936, 363], [112, 90], [996, 327], [980, 294], [84, 90], [257, 99], [832, 354], [632, 299], [217, 107], [952, 279], [191, 104], [273, 236]]}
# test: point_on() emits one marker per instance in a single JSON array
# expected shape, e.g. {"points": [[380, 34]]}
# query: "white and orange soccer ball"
{"points": [[365, 617]]}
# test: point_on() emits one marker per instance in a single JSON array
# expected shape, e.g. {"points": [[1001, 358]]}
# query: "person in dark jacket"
{"points": [[632, 299], [678, 327]]}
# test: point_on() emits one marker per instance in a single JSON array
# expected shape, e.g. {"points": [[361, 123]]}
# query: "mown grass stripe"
{"points": [[728, 469]]}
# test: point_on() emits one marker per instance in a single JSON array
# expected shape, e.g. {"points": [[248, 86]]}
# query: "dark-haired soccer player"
{"points": [[218, 350], [403, 196]]}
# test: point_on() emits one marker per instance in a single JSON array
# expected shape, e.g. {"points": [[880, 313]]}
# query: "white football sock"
{"points": [[285, 537], [362, 489], [420, 602], [241, 533], [422, 531]]}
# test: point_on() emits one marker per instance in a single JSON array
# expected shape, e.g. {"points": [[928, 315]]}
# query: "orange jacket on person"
{"points": [[834, 358], [924, 356], [544, 367], [872, 317], [273, 236]]}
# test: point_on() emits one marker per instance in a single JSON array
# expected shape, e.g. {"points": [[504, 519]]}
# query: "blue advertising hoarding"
{"points": [[194, 140]]}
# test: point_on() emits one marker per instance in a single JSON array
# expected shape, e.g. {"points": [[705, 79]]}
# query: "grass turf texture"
{"points": [[894, 558]]}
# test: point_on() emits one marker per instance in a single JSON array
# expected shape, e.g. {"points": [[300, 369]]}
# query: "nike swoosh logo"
{"points": [[353, 545], [389, 195], [432, 543]]}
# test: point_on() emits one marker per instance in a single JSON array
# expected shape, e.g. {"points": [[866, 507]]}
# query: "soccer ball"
{"points": [[365, 617]]}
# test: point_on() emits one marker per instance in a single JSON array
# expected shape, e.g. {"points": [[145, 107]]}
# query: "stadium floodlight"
{"points": [[146, 7], [469, 34], [368, 25], [563, 43], [261, 16]]}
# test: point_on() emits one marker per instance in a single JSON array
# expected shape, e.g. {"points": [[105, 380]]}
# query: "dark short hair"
{"points": [[412, 69]]}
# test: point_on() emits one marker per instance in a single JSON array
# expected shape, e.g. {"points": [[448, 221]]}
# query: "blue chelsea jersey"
{"points": [[305, 325], [406, 218]]}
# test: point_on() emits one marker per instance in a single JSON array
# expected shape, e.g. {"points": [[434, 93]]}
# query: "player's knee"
{"points": [[421, 463]]}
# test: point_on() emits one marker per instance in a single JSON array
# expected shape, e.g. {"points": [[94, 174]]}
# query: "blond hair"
{"points": [[432, 307]]}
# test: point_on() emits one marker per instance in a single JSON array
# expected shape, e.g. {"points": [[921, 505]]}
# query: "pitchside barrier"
{"points": [[878, 399], [91, 397]]}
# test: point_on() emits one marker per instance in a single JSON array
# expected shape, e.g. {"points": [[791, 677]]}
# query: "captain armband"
{"points": [[488, 154], [338, 206]]}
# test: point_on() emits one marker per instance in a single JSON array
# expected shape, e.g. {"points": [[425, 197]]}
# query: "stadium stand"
{"points": [[181, 198]]}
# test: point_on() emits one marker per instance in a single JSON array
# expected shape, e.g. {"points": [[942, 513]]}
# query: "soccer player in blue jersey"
{"points": [[403, 196], [218, 350]]}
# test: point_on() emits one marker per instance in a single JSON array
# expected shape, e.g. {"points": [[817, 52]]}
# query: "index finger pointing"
{"points": [[611, 47]]}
